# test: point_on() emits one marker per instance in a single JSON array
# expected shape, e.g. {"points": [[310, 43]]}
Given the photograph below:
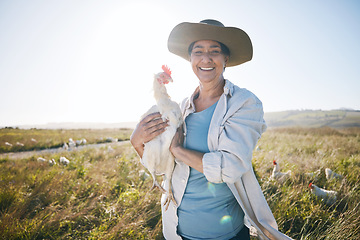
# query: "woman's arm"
{"points": [[147, 129], [189, 157], [240, 130]]}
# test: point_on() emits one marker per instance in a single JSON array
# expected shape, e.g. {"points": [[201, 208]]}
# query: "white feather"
{"points": [[329, 197], [157, 157], [278, 175]]}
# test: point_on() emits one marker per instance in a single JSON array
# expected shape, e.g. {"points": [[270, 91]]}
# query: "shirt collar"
{"points": [[228, 91], [228, 88]]}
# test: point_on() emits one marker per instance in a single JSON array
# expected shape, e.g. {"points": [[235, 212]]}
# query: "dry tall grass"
{"points": [[102, 195], [37, 139], [299, 213]]}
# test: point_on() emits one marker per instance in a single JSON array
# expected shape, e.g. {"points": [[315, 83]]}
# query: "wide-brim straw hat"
{"points": [[235, 39]]}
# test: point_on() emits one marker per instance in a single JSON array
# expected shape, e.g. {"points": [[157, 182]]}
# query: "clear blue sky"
{"points": [[93, 61]]}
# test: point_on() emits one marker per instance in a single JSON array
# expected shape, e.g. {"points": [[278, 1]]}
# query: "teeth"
{"points": [[206, 69]]}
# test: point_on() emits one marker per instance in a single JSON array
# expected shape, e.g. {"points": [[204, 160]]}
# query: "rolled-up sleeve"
{"points": [[239, 134]]}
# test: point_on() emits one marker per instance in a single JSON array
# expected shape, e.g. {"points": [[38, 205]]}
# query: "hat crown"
{"points": [[212, 22]]}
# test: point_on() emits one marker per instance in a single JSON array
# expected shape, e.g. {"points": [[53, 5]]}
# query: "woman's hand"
{"points": [[178, 140], [189, 157], [146, 130]]}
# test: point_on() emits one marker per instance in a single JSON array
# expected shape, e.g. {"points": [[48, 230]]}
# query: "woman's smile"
{"points": [[206, 69]]}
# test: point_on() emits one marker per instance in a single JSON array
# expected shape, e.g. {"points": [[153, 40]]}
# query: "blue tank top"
{"points": [[207, 210]]}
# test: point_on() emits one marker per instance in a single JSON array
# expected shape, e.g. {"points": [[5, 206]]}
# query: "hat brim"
{"points": [[235, 39]]}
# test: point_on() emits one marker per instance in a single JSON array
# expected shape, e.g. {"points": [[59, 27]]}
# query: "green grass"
{"points": [[100, 194], [37, 139], [298, 212]]}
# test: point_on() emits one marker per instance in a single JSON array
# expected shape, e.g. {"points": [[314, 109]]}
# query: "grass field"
{"points": [[103, 194], [16, 140]]}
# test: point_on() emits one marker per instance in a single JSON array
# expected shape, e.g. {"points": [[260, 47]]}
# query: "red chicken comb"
{"points": [[274, 162], [166, 69]]}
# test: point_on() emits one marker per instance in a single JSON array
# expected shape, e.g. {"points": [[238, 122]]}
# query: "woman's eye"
{"points": [[212, 53], [197, 53]]}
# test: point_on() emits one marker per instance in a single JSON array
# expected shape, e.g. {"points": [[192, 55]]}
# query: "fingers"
{"points": [[151, 126], [154, 128], [157, 124], [178, 139], [151, 117], [147, 129], [180, 129]]}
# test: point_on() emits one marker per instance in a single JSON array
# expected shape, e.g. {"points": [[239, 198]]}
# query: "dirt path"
{"points": [[27, 154]]}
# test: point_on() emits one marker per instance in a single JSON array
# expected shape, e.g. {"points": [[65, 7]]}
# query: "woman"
{"points": [[213, 182]]}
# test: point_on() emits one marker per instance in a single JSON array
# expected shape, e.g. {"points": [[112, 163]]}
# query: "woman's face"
{"points": [[208, 61]]}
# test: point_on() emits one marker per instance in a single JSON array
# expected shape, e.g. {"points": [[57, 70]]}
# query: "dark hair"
{"points": [[224, 49]]}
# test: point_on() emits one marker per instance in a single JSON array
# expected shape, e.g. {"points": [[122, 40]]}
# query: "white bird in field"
{"points": [[278, 175], [64, 160], [110, 149], [328, 196], [315, 175], [331, 174], [157, 157], [72, 144], [52, 162], [111, 139], [65, 146], [40, 159], [8, 144]]}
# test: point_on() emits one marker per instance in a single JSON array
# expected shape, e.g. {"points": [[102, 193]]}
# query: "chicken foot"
{"points": [[169, 198], [156, 184]]}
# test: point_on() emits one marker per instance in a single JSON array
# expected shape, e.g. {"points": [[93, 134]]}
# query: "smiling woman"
{"points": [[214, 185]]}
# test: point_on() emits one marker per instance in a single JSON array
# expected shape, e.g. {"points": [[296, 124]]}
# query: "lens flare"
{"points": [[225, 219], [212, 189]]}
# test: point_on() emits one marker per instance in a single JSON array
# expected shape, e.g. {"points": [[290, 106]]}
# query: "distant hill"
{"points": [[294, 118], [314, 118], [79, 125]]}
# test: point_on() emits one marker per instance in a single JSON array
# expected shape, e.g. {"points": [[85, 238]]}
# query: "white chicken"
{"points": [[72, 144], [41, 159], [157, 157], [64, 161], [52, 162], [328, 196], [314, 175], [65, 146], [279, 176], [331, 174]]}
